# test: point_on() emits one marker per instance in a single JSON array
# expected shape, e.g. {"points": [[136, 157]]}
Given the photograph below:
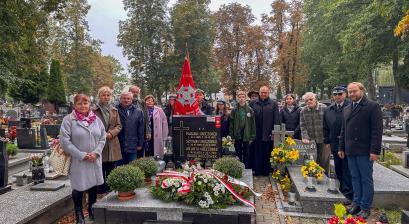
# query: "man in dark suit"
{"points": [[266, 115], [332, 131], [360, 142]]}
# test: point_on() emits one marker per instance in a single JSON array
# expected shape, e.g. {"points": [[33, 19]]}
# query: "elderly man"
{"points": [[131, 135], [204, 106], [266, 116], [312, 125], [135, 90], [332, 131], [360, 142]]}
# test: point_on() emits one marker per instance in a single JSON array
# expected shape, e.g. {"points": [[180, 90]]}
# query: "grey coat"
{"points": [[77, 140]]}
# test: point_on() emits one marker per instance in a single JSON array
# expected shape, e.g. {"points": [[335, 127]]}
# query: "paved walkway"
{"points": [[266, 209]]}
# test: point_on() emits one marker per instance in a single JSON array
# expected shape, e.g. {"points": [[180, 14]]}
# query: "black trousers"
{"points": [[262, 153], [343, 175], [243, 152], [77, 197], [107, 167]]}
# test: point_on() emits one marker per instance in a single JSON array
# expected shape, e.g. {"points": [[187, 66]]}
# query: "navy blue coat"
{"points": [[132, 133], [361, 132], [333, 125]]}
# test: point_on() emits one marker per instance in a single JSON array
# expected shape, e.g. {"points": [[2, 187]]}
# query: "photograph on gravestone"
{"points": [[305, 151], [195, 137]]}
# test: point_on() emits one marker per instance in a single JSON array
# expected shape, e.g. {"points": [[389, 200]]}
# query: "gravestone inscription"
{"points": [[195, 137], [305, 151], [26, 138]]}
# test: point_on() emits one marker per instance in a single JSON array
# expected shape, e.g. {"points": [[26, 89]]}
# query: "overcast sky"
{"points": [[104, 15]]}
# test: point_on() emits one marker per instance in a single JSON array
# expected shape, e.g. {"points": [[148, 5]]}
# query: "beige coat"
{"points": [[112, 149]]}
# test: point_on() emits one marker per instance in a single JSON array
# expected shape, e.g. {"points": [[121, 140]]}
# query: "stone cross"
{"points": [[181, 130], [279, 133]]}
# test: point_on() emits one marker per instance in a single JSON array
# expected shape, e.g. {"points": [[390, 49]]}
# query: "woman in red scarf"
{"points": [[82, 135]]}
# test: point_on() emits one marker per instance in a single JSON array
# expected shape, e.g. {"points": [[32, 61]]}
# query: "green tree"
{"points": [[192, 26], [55, 87], [143, 39]]}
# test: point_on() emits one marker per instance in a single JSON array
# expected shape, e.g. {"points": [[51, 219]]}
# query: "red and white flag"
{"points": [[186, 101]]}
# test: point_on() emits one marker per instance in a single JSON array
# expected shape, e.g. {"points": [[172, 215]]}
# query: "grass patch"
{"points": [[390, 159]]}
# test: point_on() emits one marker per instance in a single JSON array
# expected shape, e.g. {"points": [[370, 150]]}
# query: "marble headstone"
{"points": [[305, 151]]}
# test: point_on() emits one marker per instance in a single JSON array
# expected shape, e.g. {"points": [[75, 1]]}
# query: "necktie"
{"points": [[354, 105]]}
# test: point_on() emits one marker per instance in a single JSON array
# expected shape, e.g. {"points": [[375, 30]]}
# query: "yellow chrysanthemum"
{"points": [[290, 141]]}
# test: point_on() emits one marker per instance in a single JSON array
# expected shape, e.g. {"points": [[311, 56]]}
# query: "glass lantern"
{"points": [[167, 146], [332, 182]]}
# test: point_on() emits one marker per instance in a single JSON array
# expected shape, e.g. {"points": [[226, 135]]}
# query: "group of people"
{"points": [[103, 136]]}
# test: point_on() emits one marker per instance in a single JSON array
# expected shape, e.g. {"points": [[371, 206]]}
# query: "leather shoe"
{"points": [[354, 210], [364, 214]]}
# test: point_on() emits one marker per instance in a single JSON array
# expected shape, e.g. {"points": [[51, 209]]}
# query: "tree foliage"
{"points": [[55, 89]]}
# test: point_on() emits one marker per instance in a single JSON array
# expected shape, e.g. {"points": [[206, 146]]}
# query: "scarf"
{"points": [[150, 112], [105, 110], [86, 120], [290, 108]]}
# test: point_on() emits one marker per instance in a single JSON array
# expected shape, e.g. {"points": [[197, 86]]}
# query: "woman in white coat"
{"points": [[82, 135]]}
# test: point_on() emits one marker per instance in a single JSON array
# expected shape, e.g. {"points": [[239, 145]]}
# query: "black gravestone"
{"points": [[305, 151], [3, 164], [53, 130], [196, 137], [26, 138]]}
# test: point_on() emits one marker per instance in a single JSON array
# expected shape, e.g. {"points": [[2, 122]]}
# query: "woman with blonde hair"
{"points": [[110, 117], [159, 127], [83, 136]]}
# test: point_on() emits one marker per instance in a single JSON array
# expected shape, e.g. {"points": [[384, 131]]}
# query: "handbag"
{"points": [[60, 161]]}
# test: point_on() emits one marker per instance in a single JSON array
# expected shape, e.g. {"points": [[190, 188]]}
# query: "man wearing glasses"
{"points": [[360, 142], [332, 131], [312, 127]]}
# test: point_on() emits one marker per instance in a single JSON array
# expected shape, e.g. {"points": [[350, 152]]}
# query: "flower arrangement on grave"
{"points": [[312, 169], [283, 180], [37, 168], [12, 150], [53, 142], [341, 216], [125, 179], [285, 153], [12, 133], [230, 166], [227, 142], [205, 188], [148, 165]]}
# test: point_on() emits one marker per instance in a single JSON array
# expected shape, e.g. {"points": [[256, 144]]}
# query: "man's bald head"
{"points": [[264, 92]]}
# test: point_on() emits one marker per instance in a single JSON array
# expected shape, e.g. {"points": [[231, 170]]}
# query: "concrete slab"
{"points": [[401, 170], [144, 204]]}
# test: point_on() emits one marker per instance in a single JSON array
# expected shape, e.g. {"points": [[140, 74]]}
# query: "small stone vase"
{"points": [[38, 175]]}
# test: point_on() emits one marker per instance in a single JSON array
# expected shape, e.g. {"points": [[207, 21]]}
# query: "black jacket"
{"points": [[131, 135], [205, 107], [361, 132], [169, 111], [291, 120], [267, 115], [333, 125]]}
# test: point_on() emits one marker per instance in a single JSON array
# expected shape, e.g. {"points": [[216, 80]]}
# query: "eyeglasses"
{"points": [[337, 94]]}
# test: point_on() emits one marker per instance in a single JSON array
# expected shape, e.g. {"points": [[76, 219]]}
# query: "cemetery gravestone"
{"points": [[26, 138], [44, 139], [53, 130], [195, 137], [305, 151], [279, 134], [12, 114], [18, 124], [3, 164]]}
